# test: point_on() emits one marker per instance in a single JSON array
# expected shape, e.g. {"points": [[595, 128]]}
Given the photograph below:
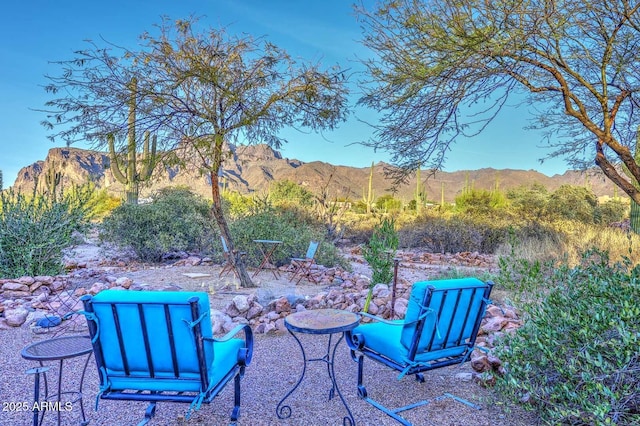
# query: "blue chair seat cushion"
{"points": [[226, 358], [384, 339]]}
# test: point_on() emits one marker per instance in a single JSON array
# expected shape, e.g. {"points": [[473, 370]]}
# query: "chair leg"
{"points": [[362, 393], [393, 413], [235, 413], [362, 390], [148, 415]]}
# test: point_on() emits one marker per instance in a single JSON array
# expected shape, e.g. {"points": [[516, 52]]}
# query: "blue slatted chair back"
{"points": [[224, 244], [442, 317], [153, 340], [311, 251]]}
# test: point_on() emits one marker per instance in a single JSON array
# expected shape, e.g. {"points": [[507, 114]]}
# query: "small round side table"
{"points": [[57, 349], [320, 321]]}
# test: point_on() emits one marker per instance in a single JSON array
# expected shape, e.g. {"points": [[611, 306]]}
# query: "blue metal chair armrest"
{"points": [[382, 320], [248, 338], [355, 341]]}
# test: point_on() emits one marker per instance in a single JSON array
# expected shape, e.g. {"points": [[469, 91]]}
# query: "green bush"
{"points": [[575, 360], [453, 235], [286, 192], [35, 231], [380, 250], [573, 203], [175, 220], [235, 204], [388, 202], [529, 202], [289, 226], [614, 210], [474, 201]]}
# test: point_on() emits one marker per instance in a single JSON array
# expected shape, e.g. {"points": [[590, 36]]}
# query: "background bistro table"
{"points": [[267, 247], [320, 321]]}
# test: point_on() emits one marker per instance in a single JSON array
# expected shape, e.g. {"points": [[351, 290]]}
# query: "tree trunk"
{"points": [[216, 209]]}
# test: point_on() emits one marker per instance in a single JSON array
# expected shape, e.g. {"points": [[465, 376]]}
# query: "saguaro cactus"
{"points": [[634, 216], [132, 177], [419, 194], [368, 198], [52, 179]]}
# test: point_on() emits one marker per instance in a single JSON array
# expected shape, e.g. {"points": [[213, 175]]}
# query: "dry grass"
{"points": [[576, 238]]}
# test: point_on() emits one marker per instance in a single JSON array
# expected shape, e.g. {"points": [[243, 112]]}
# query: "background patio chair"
{"points": [[302, 265], [227, 265], [439, 329], [158, 346]]}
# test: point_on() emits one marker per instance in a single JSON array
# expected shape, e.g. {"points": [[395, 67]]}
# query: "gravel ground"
{"points": [[275, 368]]}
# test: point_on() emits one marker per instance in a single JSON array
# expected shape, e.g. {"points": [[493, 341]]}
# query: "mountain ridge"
{"points": [[252, 168]]}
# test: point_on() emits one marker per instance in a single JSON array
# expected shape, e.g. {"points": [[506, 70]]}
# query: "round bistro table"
{"points": [[57, 349], [320, 321]]}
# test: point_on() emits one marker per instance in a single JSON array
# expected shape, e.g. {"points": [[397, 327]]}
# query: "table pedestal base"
{"points": [[284, 411]]}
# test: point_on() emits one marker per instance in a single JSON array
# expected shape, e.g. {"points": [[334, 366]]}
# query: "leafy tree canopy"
{"points": [[445, 68], [196, 91]]}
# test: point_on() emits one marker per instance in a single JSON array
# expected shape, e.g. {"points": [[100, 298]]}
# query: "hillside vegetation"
{"points": [[566, 261]]}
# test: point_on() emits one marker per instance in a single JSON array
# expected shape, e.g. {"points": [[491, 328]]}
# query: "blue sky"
{"points": [[34, 33]]}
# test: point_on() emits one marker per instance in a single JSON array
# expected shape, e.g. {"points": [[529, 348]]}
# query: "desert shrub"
{"points": [[575, 360], [103, 204], [358, 227], [573, 203], [359, 207], [533, 241], [454, 234], [614, 210], [529, 202], [387, 203], [286, 225], [175, 220], [580, 237], [480, 201], [439, 235], [524, 269], [380, 250], [35, 231], [287, 192], [235, 204]]}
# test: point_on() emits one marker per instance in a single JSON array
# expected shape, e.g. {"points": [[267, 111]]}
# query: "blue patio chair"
{"points": [[158, 346], [439, 329], [302, 265]]}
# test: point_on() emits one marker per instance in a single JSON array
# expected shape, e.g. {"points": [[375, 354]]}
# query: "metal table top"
{"points": [[58, 348], [322, 321]]}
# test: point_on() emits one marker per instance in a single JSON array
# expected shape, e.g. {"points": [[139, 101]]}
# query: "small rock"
{"points": [[463, 377], [124, 282], [16, 317], [241, 303], [15, 286]]}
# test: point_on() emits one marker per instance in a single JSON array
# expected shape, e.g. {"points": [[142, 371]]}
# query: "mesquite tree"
{"points": [[201, 90], [445, 68]]}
